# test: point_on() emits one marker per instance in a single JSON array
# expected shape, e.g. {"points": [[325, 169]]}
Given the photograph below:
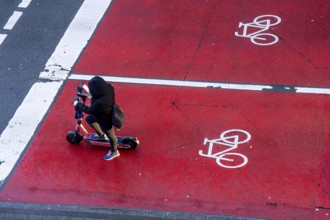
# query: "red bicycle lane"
{"points": [[181, 40], [286, 174], [282, 179]]}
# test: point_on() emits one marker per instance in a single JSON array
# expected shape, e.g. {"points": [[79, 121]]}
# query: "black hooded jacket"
{"points": [[103, 99]]}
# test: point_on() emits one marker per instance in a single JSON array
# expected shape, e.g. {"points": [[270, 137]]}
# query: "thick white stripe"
{"points": [[12, 20], [74, 40], [22, 126], [235, 86]]}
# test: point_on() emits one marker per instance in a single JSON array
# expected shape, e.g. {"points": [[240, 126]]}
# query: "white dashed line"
{"points": [[12, 20], [2, 37], [24, 4]]}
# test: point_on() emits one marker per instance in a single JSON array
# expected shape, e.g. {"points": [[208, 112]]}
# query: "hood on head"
{"points": [[97, 86]]}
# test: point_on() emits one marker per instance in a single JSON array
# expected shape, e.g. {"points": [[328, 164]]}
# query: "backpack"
{"points": [[118, 116]]}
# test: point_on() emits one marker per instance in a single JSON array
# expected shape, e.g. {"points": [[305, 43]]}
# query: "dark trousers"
{"points": [[110, 133]]}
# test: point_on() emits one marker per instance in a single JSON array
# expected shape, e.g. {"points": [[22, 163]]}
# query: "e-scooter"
{"points": [[81, 133]]}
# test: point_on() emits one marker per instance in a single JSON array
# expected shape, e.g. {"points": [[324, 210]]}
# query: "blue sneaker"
{"points": [[111, 155], [96, 137]]}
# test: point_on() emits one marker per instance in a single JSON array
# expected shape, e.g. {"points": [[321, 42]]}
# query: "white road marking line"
{"points": [[166, 82], [24, 4], [233, 86], [74, 40], [311, 90], [12, 20], [35, 106], [21, 127], [2, 38]]}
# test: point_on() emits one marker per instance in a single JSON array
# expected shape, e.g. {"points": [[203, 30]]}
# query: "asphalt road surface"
{"points": [[28, 46]]}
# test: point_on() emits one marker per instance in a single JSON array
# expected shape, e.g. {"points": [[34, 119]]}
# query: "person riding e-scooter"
{"points": [[100, 113]]}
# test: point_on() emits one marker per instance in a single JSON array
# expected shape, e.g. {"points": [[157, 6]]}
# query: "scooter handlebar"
{"points": [[80, 96], [80, 93]]}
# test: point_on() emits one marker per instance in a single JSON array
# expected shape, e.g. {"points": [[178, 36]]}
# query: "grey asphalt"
{"points": [[23, 211], [28, 46]]}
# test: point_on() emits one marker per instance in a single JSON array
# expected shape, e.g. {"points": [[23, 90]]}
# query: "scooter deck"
{"points": [[120, 140]]}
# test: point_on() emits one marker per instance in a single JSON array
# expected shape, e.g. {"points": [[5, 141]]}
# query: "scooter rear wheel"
{"points": [[74, 137], [129, 143]]}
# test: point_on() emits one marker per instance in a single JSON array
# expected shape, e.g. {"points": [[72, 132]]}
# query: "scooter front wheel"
{"points": [[74, 137]]}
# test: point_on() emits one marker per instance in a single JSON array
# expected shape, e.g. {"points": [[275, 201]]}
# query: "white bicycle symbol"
{"points": [[231, 139], [263, 22]]}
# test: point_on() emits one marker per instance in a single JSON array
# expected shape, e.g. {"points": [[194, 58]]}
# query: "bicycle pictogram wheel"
{"points": [[267, 20], [264, 39], [232, 158], [235, 136]]}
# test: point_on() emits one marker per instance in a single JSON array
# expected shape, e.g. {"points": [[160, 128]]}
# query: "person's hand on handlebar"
{"points": [[76, 101]]}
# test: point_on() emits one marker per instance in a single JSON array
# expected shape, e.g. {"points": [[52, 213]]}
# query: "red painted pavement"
{"points": [[195, 40], [285, 177], [287, 174]]}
